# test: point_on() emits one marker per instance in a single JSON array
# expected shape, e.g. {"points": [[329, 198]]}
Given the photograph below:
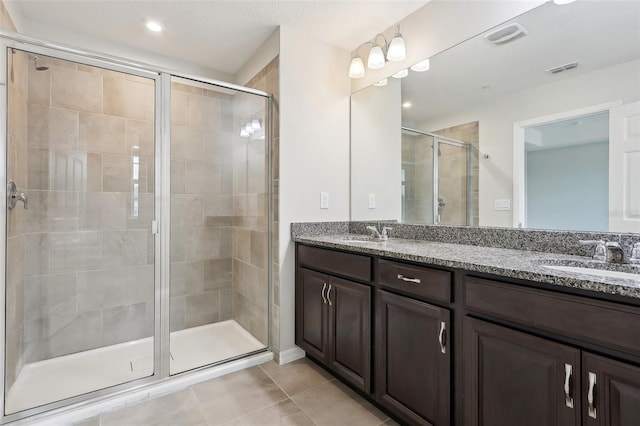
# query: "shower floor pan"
{"points": [[55, 379]]}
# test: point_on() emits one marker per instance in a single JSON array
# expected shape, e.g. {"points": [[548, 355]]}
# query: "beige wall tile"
{"points": [[75, 333], [100, 289], [102, 133], [217, 273], [49, 295], [118, 174], [177, 177], [102, 211], [202, 112], [187, 143], [128, 99], [52, 211], [75, 171], [38, 169], [139, 133], [202, 308], [76, 90], [259, 249], [39, 86], [126, 248], [201, 178], [178, 106], [146, 211], [187, 211], [187, 278], [218, 205], [52, 127]]}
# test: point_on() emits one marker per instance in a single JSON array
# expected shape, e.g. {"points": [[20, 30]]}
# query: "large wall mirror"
{"points": [[534, 123]]}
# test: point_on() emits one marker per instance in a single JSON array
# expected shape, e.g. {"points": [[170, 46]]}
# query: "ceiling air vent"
{"points": [[506, 34], [562, 68]]}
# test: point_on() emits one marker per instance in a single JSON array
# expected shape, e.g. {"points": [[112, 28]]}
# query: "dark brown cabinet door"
{"points": [[350, 331], [312, 313], [513, 378], [413, 359], [610, 392]]}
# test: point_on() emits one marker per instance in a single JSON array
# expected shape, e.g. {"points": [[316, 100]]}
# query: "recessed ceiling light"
{"points": [[153, 26], [406, 105]]}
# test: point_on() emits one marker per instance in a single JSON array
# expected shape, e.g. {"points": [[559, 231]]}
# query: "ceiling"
{"points": [[220, 35], [596, 34], [575, 131]]}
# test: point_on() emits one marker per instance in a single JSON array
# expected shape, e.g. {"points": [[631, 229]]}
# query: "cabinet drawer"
{"points": [[417, 280], [604, 323], [337, 262]]}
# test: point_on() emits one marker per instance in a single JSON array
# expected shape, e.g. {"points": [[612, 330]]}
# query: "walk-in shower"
{"points": [[142, 247], [437, 179]]}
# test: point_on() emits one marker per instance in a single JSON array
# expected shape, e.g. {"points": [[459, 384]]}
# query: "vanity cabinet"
{"points": [[514, 377], [333, 315], [413, 367]]}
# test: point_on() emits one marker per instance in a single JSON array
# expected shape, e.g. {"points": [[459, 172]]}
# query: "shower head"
{"points": [[39, 66]]}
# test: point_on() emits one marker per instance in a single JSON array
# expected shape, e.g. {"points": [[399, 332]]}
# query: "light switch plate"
{"points": [[502, 204], [372, 201], [324, 200]]}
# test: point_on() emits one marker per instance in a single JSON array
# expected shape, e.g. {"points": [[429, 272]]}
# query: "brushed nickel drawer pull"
{"points": [[409, 280], [442, 337], [568, 400], [592, 384], [324, 286], [329, 295]]}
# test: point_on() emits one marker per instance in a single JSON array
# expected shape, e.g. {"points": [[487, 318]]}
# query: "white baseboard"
{"points": [[290, 355]]}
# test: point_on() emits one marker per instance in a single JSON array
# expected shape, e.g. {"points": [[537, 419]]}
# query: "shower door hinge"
{"points": [[154, 226]]}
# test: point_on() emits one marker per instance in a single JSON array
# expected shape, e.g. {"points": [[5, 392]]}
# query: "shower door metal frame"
{"points": [[160, 227], [437, 140]]}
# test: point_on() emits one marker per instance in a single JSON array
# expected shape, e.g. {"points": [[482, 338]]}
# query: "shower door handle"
{"points": [[13, 196]]}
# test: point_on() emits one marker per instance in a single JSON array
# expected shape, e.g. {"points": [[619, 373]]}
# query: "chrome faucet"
{"points": [[609, 251], [377, 235]]}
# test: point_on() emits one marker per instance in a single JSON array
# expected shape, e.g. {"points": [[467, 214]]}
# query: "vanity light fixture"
{"points": [[154, 26], [255, 124], [563, 1], [401, 74], [406, 104], [397, 50], [421, 66], [381, 83], [379, 54]]}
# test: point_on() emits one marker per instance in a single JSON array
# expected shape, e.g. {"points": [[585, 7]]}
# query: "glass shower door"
{"points": [[219, 287], [80, 253], [452, 183]]}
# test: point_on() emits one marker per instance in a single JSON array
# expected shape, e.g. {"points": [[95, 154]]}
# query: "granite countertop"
{"points": [[520, 264]]}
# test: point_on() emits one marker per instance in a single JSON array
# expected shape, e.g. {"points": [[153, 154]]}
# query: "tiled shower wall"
{"points": [[417, 163], [90, 182], [201, 206], [250, 209], [455, 171], [16, 218]]}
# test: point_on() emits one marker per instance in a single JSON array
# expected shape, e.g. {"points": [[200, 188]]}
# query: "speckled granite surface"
{"points": [[511, 263]]}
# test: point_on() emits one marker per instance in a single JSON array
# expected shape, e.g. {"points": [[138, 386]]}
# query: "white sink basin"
{"points": [[595, 272]]}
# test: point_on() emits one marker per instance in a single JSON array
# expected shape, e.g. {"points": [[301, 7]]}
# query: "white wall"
{"points": [[260, 59], [376, 118], [619, 82], [439, 25], [314, 148]]}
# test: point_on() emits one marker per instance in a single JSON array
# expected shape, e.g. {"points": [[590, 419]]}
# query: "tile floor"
{"points": [[299, 393]]}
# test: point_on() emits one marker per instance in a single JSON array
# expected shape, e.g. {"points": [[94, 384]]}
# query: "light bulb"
{"points": [[248, 128], [255, 124], [563, 1], [356, 69], [153, 26], [421, 66], [376, 58], [397, 50], [381, 83], [401, 74], [244, 133]]}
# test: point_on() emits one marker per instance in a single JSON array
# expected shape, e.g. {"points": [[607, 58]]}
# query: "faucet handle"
{"points": [[385, 234], [601, 248], [635, 253]]}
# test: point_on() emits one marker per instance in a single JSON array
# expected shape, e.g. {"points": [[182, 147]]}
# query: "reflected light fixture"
{"points": [[255, 124], [406, 104], [421, 66], [356, 69], [154, 26], [397, 50], [401, 74], [381, 83], [563, 1]]}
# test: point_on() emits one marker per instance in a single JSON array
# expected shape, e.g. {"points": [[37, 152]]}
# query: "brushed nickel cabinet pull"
{"points": [[329, 295], [324, 299], [592, 385], [568, 370], [442, 338], [409, 280]]}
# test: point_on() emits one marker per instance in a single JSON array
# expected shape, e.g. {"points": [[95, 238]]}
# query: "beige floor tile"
{"points": [[236, 394], [93, 421], [297, 376], [333, 404], [281, 414], [178, 408]]}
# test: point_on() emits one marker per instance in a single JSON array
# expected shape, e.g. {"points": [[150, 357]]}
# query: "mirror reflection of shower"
{"points": [[437, 189]]}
